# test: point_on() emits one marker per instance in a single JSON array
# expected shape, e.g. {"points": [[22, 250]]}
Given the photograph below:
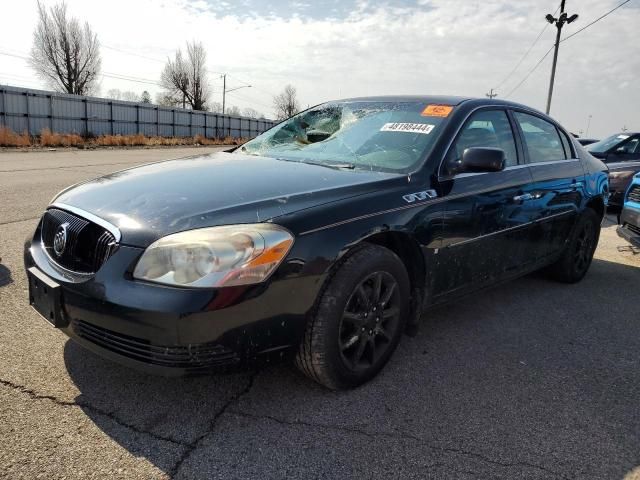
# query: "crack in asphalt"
{"points": [[402, 436], [18, 221], [192, 446], [82, 405]]}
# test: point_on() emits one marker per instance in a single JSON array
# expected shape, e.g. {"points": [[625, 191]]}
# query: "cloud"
{"points": [[342, 49]]}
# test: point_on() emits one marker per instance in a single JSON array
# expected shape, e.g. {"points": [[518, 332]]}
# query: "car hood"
{"points": [[158, 199]]}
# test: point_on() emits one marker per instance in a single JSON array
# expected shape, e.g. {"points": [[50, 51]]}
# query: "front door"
{"points": [[485, 225]]}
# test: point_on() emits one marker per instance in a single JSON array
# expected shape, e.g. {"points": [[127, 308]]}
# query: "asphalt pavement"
{"points": [[532, 379]]}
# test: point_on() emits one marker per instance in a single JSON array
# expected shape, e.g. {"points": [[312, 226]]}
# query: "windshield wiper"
{"points": [[335, 166]]}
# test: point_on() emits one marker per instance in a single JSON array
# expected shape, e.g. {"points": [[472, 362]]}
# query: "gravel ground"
{"points": [[532, 379]]}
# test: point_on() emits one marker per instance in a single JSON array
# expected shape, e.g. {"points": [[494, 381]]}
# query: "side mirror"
{"points": [[483, 159]]}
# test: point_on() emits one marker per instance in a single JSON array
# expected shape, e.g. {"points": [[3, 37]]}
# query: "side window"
{"points": [[567, 145], [631, 146], [541, 138], [486, 128]]}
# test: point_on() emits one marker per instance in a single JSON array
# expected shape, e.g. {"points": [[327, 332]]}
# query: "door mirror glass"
{"points": [[483, 159]]}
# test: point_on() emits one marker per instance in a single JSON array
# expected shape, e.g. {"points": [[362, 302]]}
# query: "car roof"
{"points": [[438, 100]]}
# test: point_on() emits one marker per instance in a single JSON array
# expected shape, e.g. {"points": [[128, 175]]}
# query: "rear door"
{"points": [[559, 182], [484, 224]]}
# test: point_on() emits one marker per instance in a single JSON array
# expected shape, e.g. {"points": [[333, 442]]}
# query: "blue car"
{"points": [[629, 228]]}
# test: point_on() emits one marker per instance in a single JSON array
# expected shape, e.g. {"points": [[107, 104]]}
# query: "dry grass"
{"points": [[8, 138], [48, 139]]}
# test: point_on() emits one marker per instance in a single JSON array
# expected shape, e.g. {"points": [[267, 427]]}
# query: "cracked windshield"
{"points": [[380, 136]]}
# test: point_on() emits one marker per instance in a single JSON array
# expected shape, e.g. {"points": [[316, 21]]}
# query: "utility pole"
{"points": [[224, 90], [588, 125], [491, 94], [559, 23]]}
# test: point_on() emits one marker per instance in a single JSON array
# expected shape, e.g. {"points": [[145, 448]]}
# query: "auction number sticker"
{"points": [[424, 128]]}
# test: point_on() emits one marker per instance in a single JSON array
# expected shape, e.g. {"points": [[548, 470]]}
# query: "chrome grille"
{"points": [[634, 194], [633, 228], [87, 245]]}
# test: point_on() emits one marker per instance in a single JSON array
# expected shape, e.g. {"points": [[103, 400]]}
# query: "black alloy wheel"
{"points": [[359, 319], [576, 259], [369, 319]]}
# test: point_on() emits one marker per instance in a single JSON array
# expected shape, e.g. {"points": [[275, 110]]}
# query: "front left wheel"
{"points": [[358, 321]]}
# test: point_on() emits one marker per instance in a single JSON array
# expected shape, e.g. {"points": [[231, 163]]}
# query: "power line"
{"points": [[13, 55], [530, 72], [247, 99], [522, 59], [595, 21], [132, 53]]}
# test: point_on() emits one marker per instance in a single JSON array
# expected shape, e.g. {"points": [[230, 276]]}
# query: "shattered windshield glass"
{"points": [[382, 136]]}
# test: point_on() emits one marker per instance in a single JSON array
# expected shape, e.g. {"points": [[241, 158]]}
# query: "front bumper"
{"points": [[616, 197], [177, 331], [629, 228]]}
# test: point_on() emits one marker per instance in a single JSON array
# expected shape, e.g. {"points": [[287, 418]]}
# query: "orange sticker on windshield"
{"points": [[437, 111]]}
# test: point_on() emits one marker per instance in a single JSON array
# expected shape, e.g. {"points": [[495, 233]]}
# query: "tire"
{"points": [[347, 316], [576, 258]]}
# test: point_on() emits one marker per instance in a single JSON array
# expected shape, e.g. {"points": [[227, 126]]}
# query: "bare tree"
{"points": [[145, 97], [65, 54], [233, 111], [185, 78], [251, 113], [215, 107], [286, 104], [167, 100], [127, 95]]}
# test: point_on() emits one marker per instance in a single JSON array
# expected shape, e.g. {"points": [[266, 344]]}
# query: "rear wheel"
{"points": [[358, 321], [578, 254]]}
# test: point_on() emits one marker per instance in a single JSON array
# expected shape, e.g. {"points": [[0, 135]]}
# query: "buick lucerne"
{"points": [[320, 241]]}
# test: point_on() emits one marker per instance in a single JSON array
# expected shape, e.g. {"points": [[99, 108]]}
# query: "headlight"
{"points": [[215, 257]]}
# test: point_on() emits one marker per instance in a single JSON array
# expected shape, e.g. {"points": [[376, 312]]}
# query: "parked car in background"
{"points": [[621, 153], [629, 228], [321, 240], [586, 141]]}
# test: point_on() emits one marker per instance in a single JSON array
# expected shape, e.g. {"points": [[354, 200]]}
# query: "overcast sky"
{"points": [[344, 48]]}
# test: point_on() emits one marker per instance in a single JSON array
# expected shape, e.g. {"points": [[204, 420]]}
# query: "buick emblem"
{"points": [[60, 240]]}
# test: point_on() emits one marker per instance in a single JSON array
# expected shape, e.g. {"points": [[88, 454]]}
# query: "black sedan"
{"points": [[621, 153], [321, 240]]}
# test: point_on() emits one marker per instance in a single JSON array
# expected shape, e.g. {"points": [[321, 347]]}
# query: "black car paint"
{"points": [[469, 232]]}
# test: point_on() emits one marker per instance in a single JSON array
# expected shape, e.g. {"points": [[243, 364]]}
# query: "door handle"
{"points": [[522, 198], [577, 185]]}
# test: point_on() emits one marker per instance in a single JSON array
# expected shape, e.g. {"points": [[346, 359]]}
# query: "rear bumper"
{"points": [[180, 331]]}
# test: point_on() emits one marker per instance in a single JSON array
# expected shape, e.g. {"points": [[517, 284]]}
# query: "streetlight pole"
{"points": [[588, 125], [225, 91], [559, 23]]}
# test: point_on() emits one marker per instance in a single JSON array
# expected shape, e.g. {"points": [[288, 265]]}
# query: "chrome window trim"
{"points": [[512, 167], [91, 217]]}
